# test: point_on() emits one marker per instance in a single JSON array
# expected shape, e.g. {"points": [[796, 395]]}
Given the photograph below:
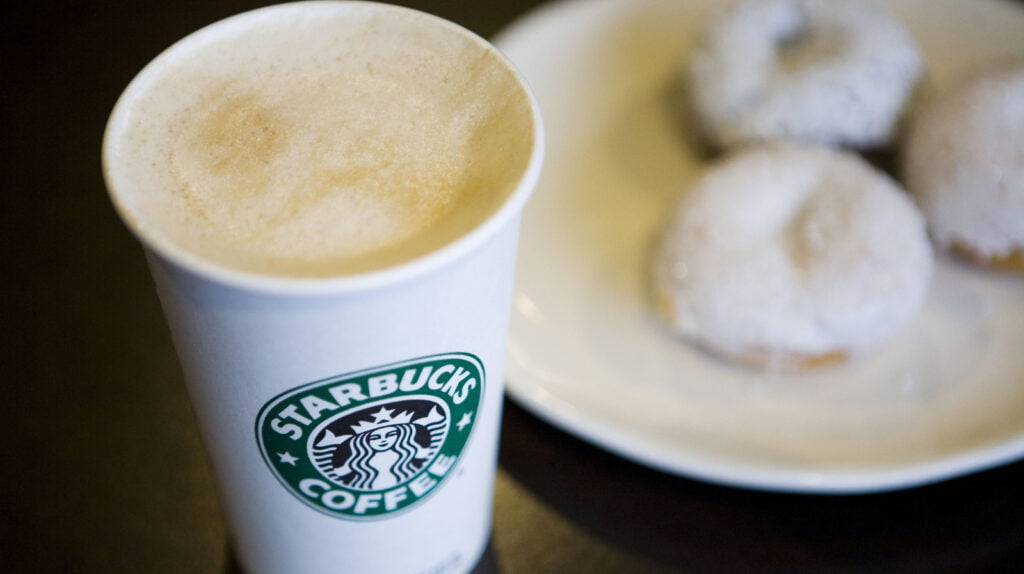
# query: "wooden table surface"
{"points": [[102, 466]]}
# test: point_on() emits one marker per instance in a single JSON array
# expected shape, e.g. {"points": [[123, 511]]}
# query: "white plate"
{"points": [[945, 398]]}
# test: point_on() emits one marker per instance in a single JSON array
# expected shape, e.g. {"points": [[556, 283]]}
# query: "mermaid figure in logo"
{"points": [[383, 458], [381, 454]]}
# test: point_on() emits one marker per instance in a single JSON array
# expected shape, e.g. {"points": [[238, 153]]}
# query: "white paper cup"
{"points": [[351, 421]]}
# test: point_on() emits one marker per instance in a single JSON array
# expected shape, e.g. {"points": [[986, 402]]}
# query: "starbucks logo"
{"points": [[369, 444]]}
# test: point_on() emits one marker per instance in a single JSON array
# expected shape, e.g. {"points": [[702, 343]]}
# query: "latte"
{"points": [[318, 140]]}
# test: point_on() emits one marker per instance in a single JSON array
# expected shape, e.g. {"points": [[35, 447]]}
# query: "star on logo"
{"points": [[465, 420], [287, 458], [382, 415]]}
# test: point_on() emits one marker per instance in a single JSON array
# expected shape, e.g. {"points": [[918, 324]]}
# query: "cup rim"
{"points": [[166, 249]]}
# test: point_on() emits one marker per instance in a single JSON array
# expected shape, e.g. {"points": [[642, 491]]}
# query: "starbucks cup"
{"points": [[350, 405]]}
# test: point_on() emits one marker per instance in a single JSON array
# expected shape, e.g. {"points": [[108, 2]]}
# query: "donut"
{"points": [[963, 160], [786, 256], [833, 72]]}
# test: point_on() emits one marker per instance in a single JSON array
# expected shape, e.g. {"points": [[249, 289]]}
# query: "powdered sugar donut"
{"points": [[964, 162], [784, 255], [836, 72]]}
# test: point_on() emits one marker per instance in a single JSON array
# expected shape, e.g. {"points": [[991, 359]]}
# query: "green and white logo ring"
{"points": [[369, 444]]}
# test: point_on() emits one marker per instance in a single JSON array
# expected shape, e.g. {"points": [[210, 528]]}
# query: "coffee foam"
{"points": [[323, 140]]}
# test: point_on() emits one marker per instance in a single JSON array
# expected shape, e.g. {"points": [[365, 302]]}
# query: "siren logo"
{"points": [[368, 444]]}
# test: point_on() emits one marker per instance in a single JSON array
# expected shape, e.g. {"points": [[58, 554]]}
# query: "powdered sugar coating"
{"points": [[964, 162], [792, 249], [836, 72]]}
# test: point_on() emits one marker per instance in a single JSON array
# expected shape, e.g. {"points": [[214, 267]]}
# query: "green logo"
{"points": [[365, 445]]}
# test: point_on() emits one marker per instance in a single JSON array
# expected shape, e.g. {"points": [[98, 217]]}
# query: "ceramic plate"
{"points": [[944, 398]]}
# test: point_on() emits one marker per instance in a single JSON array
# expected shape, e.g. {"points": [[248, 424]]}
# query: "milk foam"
{"points": [[320, 140]]}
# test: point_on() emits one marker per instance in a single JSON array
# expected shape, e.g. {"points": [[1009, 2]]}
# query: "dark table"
{"points": [[102, 467]]}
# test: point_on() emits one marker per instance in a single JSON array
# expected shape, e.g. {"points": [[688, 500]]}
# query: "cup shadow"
{"points": [[488, 563]]}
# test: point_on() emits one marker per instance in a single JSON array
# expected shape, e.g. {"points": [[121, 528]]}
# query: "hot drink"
{"points": [[325, 142]]}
